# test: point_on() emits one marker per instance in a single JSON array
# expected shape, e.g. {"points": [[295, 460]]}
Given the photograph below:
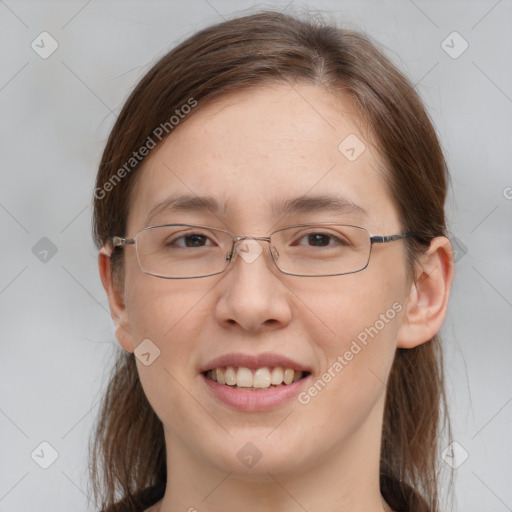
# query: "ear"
{"points": [[117, 305], [427, 301]]}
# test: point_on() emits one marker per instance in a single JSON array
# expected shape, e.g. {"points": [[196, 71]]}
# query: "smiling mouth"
{"points": [[260, 379]]}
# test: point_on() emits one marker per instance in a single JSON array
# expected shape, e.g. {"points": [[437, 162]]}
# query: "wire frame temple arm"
{"points": [[117, 241], [391, 238]]}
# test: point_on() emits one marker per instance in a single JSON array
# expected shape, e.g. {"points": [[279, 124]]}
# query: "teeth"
{"points": [[288, 376], [276, 377], [244, 378], [297, 376], [261, 378], [230, 375], [220, 376]]}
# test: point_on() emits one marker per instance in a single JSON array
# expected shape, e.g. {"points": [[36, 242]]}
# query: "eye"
{"points": [[189, 240], [318, 239]]}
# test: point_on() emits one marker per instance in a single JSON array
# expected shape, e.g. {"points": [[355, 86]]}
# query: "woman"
{"points": [[269, 210]]}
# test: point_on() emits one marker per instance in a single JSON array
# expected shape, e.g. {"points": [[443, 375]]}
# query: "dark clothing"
{"points": [[141, 501]]}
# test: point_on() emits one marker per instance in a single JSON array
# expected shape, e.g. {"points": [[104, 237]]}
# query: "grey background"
{"points": [[56, 334]]}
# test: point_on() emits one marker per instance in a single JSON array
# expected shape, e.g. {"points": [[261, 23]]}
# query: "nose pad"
{"points": [[249, 249], [274, 252]]}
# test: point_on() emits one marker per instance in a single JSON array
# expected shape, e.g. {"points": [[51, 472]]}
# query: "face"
{"points": [[250, 151]]}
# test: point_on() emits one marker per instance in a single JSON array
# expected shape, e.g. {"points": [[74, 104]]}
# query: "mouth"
{"points": [[257, 379]]}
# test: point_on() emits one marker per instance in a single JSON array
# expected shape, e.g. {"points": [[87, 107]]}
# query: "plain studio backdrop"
{"points": [[67, 68]]}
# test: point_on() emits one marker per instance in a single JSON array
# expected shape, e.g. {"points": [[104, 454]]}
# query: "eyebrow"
{"points": [[186, 203], [307, 204], [283, 207]]}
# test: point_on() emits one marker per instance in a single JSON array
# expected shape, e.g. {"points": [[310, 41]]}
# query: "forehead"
{"points": [[257, 149]]}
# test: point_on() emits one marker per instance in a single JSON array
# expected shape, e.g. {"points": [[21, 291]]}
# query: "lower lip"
{"points": [[255, 400]]}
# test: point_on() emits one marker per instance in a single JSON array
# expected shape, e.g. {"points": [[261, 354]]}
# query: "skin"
{"points": [[248, 149]]}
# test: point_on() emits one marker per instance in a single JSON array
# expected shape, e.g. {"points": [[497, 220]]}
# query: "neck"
{"points": [[345, 479]]}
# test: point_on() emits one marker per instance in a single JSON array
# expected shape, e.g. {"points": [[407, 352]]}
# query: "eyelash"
{"points": [[341, 241]]}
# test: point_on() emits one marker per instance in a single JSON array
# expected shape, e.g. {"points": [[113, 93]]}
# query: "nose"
{"points": [[252, 294]]}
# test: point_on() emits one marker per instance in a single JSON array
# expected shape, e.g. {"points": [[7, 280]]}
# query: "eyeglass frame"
{"points": [[118, 241]]}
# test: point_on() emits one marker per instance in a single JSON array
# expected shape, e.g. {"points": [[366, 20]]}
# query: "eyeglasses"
{"points": [[184, 251]]}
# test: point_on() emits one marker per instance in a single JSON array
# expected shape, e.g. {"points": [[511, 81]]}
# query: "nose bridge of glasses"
{"points": [[248, 237], [250, 248]]}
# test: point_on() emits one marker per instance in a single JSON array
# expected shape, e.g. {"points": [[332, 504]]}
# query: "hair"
{"points": [[128, 445]]}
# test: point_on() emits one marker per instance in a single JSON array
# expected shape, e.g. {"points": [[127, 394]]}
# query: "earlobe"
{"points": [[427, 302], [116, 301]]}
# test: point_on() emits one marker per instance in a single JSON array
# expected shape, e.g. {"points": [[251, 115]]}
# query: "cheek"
{"points": [[354, 306], [357, 359], [171, 315], [163, 309], [354, 328]]}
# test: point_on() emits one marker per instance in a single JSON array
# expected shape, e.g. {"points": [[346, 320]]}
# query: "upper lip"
{"points": [[254, 361]]}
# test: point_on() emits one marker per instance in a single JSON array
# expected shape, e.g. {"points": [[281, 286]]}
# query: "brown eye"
{"points": [[190, 240], [322, 240], [318, 240]]}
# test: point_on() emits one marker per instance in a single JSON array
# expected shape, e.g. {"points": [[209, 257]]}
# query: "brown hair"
{"points": [[128, 453]]}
